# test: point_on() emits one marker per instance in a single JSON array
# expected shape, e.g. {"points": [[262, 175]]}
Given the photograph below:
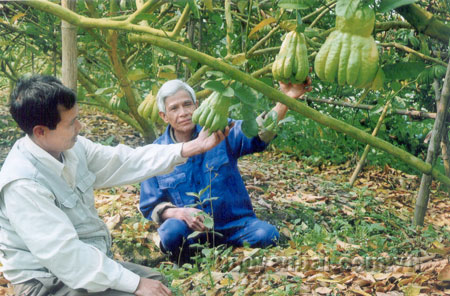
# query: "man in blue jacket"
{"points": [[166, 200]]}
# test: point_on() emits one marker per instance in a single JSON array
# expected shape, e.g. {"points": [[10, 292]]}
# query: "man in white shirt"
{"points": [[51, 238]]}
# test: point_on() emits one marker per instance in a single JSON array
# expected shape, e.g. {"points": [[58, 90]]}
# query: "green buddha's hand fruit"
{"points": [[213, 112], [148, 109], [291, 63], [349, 55]]}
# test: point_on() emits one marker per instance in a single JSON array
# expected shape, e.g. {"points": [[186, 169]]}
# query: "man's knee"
{"points": [[264, 235], [172, 233]]}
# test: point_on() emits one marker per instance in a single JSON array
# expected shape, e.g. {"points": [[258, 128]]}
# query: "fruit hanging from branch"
{"points": [[148, 109], [291, 63], [349, 55], [213, 112]]}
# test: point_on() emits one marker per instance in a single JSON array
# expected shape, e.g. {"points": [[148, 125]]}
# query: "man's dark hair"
{"points": [[35, 99]]}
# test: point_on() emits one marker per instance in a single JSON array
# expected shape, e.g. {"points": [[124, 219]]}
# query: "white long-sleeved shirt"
{"points": [[50, 236]]}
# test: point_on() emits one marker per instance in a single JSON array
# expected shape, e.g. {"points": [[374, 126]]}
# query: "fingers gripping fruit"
{"points": [[148, 108], [213, 112], [349, 54], [291, 63]]}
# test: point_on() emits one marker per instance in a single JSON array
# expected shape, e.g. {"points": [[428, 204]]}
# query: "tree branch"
{"points": [[425, 22], [410, 50], [276, 95]]}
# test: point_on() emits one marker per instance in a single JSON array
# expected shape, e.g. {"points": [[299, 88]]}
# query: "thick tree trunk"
{"points": [[69, 49], [433, 150]]}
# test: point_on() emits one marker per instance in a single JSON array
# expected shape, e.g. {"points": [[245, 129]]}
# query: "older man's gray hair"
{"points": [[170, 88]]}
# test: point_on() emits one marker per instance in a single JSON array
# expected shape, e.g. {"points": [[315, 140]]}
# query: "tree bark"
{"points": [[425, 22], [433, 150], [445, 153], [69, 49]]}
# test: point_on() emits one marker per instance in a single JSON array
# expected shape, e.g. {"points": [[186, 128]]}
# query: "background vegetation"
{"points": [[300, 183]]}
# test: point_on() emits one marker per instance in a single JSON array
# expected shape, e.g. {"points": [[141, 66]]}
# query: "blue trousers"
{"points": [[174, 232]]}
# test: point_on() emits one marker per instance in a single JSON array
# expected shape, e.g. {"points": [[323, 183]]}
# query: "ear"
{"points": [[39, 131], [163, 116]]}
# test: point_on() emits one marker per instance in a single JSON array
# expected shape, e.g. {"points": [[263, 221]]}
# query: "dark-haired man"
{"points": [[52, 241]]}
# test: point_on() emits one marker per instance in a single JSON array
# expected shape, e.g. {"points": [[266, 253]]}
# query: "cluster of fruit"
{"points": [[349, 55], [213, 112], [148, 108], [291, 63]]}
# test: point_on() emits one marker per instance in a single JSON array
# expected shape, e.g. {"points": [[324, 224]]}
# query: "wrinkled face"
{"points": [[179, 109], [65, 135]]}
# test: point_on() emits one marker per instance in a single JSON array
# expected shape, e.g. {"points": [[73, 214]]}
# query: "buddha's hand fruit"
{"points": [[349, 55], [148, 109], [291, 63], [213, 112]]}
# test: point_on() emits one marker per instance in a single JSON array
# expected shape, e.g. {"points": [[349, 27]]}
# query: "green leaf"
{"points": [[229, 92], [104, 91], [388, 5], [246, 95], [300, 28], [395, 85], [286, 120], [203, 190], [192, 194], [346, 8], [194, 234], [242, 5], [294, 4], [208, 222], [208, 5], [194, 9], [403, 70], [215, 86], [250, 128], [136, 74]]}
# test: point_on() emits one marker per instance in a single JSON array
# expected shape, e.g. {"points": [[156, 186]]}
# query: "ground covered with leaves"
{"points": [[335, 239]]}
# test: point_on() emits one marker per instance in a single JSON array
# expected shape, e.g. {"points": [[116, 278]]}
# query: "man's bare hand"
{"points": [[192, 216], [204, 142], [149, 287], [296, 90], [214, 139]]}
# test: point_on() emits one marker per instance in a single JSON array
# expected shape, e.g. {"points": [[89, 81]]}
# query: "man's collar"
{"points": [[43, 156], [171, 133]]}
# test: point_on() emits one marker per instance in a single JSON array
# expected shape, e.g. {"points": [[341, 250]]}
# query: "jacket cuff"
{"points": [[128, 281], [159, 209], [264, 134]]}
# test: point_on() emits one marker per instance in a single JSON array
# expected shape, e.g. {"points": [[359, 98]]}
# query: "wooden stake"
{"points": [[366, 150], [433, 148]]}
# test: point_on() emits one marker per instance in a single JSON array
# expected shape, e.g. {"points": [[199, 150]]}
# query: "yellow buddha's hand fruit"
{"points": [[349, 55], [291, 63]]}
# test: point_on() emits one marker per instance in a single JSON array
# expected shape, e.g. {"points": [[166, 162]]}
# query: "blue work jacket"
{"points": [[218, 168]]}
